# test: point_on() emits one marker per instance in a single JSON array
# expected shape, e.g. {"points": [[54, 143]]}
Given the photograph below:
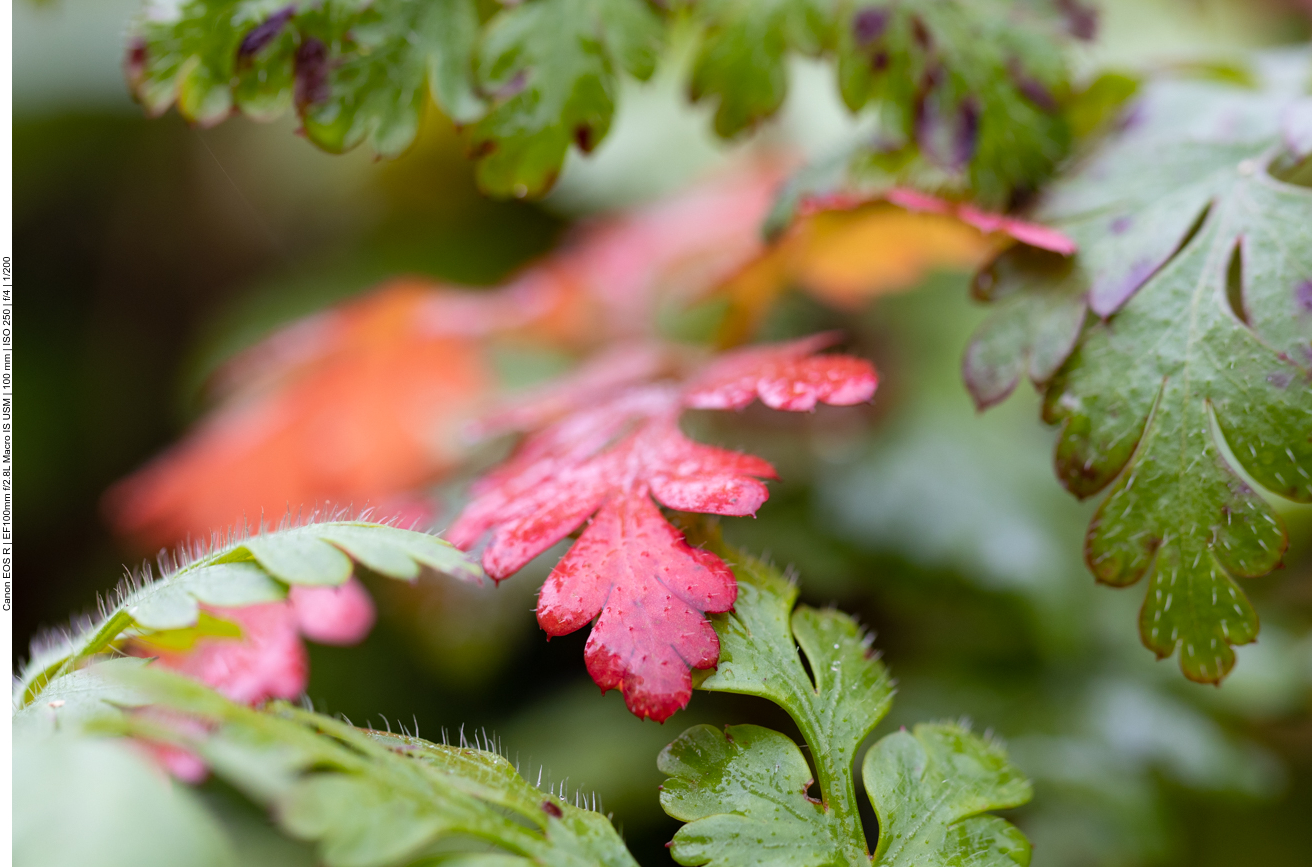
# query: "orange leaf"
{"points": [[365, 403], [847, 250]]}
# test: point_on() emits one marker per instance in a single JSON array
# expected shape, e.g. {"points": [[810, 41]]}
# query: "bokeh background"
{"points": [[149, 252]]}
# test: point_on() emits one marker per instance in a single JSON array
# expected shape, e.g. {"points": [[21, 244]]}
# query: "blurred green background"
{"points": [[148, 251]]}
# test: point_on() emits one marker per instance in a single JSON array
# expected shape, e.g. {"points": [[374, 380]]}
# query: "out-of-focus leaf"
{"points": [[552, 69], [846, 250], [245, 572], [964, 99], [88, 800], [370, 799], [366, 402], [358, 405], [967, 96], [1101, 102], [367, 75], [741, 63], [1200, 263], [353, 70]]}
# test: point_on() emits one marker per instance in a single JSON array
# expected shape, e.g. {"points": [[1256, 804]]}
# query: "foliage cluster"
{"points": [[1157, 292], [964, 95]]}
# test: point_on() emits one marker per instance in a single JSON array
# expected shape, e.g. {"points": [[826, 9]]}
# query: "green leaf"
{"points": [[741, 63], [189, 55], [354, 70], [1200, 263], [380, 66], [746, 791], [246, 572], [968, 94], [370, 799], [930, 788], [963, 96], [961, 99], [71, 701], [87, 800], [552, 67]]}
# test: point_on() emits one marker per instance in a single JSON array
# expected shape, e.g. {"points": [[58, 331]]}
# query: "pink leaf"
{"points": [[333, 615], [268, 661]]}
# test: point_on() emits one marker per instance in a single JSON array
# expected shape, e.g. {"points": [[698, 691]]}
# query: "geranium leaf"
{"points": [[366, 74], [608, 460], [931, 788], [365, 798], [552, 69], [746, 791], [1196, 256], [630, 566], [354, 71], [244, 572], [789, 377], [963, 99], [649, 592], [741, 63], [965, 96]]}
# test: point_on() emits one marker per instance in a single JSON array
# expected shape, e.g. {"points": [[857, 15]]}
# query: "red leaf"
{"points": [[784, 376], [611, 458], [363, 403], [651, 591], [563, 474]]}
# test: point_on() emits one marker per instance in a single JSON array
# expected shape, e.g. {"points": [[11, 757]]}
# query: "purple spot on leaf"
{"points": [[1303, 296], [921, 33], [264, 33], [514, 86], [1081, 20], [1133, 117], [134, 65], [1280, 379], [868, 25], [947, 137], [1120, 224], [312, 85], [1032, 88], [1107, 295], [967, 131]]}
